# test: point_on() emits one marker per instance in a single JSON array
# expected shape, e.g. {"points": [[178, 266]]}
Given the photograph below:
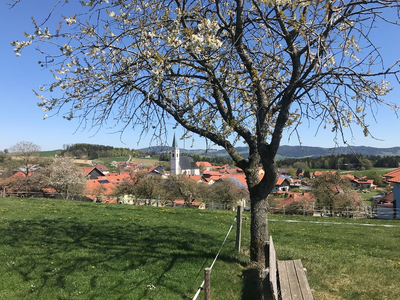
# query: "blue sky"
{"points": [[22, 120]]}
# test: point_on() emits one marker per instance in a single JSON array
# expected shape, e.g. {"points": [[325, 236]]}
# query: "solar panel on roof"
{"points": [[104, 181]]}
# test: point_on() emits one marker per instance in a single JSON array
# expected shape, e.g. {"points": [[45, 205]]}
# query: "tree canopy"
{"points": [[333, 191], [65, 177], [225, 70], [28, 156]]}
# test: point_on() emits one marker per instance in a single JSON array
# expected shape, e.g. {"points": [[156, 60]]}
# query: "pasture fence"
{"points": [[206, 284]]}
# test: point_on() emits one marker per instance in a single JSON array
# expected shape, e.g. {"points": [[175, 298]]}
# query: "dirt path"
{"points": [[83, 161], [334, 223]]}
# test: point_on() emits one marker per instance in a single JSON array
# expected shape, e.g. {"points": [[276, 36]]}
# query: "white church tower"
{"points": [[175, 158]]}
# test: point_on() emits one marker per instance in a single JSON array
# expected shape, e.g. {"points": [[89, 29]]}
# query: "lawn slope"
{"points": [[54, 249], [57, 249]]}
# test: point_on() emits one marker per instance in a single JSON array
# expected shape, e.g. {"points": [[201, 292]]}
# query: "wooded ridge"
{"points": [[286, 151]]}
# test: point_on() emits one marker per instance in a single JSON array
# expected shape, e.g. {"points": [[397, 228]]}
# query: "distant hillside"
{"points": [[293, 151]]}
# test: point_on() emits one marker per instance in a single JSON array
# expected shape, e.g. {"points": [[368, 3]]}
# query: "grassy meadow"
{"points": [[148, 162], [345, 258], [57, 249]]}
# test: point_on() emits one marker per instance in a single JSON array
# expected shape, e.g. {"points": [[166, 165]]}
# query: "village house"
{"points": [[204, 165], [384, 207], [363, 183], [394, 178], [102, 168], [294, 203], [282, 185], [91, 172]]}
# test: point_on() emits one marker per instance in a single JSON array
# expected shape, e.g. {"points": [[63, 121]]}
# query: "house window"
{"points": [[173, 155]]}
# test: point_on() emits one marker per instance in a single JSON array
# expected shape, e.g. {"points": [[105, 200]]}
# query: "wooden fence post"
{"points": [[207, 284], [239, 227]]}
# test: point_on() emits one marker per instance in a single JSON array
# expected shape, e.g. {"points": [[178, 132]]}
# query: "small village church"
{"points": [[182, 164]]}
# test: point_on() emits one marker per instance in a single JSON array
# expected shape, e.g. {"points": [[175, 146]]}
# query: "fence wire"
{"points": [[215, 259]]}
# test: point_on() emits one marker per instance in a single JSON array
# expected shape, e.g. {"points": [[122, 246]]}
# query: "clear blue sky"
{"points": [[22, 120]]}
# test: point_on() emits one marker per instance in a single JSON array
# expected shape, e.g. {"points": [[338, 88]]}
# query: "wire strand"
{"points": [[215, 259]]}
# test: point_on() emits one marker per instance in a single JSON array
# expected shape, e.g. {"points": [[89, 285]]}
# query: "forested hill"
{"points": [[96, 151], [295, 151], [298, 151]]}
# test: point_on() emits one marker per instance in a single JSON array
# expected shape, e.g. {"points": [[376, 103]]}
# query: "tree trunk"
{"points": [[259, 230], [259, 191]]}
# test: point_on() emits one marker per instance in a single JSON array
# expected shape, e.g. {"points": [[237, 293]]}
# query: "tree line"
{"points": [[341, 162], [141, 185], [96, 151]]}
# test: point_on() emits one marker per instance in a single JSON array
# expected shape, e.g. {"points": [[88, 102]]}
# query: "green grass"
{"points": [[379, 171], [346, 260], [54, 249], [145, 161], [50, 153]]}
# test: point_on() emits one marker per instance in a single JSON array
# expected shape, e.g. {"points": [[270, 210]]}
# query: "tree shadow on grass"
{"points": [[251, 283], [55, 252]]}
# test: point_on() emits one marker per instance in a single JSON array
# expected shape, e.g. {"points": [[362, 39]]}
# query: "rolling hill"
{"points": [[292, 151]]}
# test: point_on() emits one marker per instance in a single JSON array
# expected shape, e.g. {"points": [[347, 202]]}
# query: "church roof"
{"points": [[187, 163], [174, 143]]}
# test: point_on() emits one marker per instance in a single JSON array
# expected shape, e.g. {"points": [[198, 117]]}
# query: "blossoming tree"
{"points": [[226, 70]]}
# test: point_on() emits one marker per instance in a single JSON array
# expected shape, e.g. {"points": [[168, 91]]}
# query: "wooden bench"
{"points": [[287, 278]]}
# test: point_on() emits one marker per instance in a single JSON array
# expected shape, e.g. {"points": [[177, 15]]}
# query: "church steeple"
{"points": [[175, 159], [174, 143]]}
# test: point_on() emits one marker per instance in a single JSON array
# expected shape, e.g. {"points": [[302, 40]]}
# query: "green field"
{"points": [[57, 249], [50, 153], [344, 261], [379, 171], [54, 249], [149, 162]]}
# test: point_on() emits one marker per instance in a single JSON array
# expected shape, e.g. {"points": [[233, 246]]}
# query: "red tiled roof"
{"points": [[388, 198], [393, 173], [152, 168], [194, 177], [212, 173], [86, 170], [20, 174], [239, 176], [182, 202], [361, 181], [294, 197], [350, 176], [280, 180], [49, 190], [204, 163], [111, 201], [388, 205], [98, 186], [101, 167], [395, 179]]}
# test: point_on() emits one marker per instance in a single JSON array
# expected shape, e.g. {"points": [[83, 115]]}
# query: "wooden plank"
{"points": [[272, 269], [295, 290], [284, 280], [302, 278]]}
